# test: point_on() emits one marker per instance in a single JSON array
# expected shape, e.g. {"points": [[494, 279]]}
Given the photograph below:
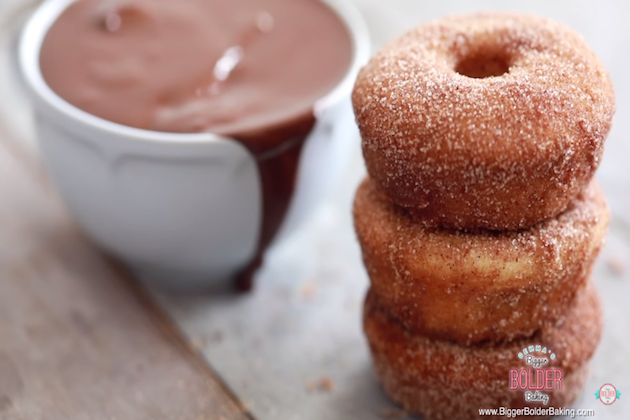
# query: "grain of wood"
{"points": [[76, 341]]}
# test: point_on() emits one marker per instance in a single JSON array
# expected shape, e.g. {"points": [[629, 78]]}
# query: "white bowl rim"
{"points": [[39, 23]]}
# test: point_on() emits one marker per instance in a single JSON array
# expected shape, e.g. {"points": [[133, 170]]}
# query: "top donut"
{"points": [[491, 121]]}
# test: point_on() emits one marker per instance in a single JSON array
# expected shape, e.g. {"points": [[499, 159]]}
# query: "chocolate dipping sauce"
{"points": [[247, 69]]}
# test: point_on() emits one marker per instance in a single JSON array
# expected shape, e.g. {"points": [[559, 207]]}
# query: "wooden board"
{"points": [[77, 339]]}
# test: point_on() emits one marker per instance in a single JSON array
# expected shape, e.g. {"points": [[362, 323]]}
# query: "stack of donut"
{"points": [[480, 220]]}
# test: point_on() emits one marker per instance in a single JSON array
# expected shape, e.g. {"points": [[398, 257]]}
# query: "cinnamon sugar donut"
{"points": [[467, 287], [441, 380], [492, 121]]}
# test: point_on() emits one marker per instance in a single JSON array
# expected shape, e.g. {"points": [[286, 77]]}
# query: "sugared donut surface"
{"points": [[441, 380], [483, 286], [492, 121]]}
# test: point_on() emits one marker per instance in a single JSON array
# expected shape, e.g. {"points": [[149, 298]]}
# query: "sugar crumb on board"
{"points": [[309, 290], [616, 265], [324, 384], [198, 343]]}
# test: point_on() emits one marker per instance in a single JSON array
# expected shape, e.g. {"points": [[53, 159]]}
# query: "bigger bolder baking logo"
{"points": [[536, 379], [608, 394]]}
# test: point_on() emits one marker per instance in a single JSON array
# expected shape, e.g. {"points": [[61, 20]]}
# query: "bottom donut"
{"points": [[442, 380]]}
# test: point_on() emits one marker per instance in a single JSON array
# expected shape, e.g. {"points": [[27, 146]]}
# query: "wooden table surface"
{"points": [[78, 339]]}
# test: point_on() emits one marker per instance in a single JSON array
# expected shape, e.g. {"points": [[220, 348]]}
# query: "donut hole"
{"points": [[482, 65]]}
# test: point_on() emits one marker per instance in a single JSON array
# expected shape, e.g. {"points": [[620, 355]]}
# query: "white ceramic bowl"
{"points": [[180, 209]]}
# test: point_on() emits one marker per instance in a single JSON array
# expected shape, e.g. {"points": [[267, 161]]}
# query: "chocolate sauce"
{"points": [[246, 69], [277, 152]]}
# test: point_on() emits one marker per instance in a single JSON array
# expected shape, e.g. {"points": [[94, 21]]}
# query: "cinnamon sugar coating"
{"points": [[441, 380], [483, 286], [506, 144]]}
